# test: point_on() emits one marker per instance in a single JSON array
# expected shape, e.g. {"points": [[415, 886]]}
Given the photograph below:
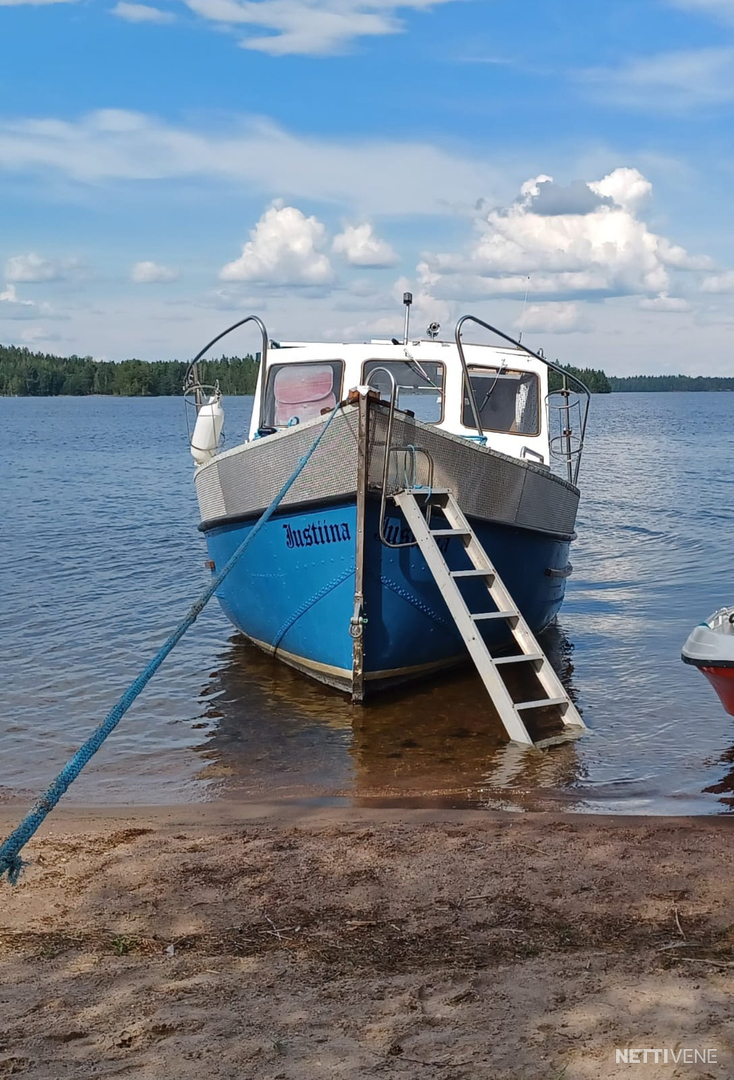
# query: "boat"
{"points": [[710, 648], [336, 584]]}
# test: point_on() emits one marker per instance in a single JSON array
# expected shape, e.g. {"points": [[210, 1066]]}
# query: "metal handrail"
{"points": [[572, 467], [467, 380], [199, 391], [388, 443], [386, 460], [192, 373]]}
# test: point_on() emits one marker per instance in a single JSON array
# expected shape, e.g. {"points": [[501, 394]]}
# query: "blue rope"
{"points": [[10, 861]]}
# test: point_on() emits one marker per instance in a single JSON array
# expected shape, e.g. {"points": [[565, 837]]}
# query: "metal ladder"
{"points": [[466, 622]]}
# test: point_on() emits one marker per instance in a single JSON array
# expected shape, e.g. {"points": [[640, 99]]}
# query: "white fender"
{"points": [[208, 428]]}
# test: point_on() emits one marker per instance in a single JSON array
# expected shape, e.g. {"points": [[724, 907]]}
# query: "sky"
{"points": [[561, 170]]}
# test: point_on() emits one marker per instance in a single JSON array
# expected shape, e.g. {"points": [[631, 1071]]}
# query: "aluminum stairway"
{"points": [[466, 622]]}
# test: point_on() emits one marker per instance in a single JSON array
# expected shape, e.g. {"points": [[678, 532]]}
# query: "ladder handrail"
{"points": [[386, 460], [388, 448], [388, 443], [582, 388]]}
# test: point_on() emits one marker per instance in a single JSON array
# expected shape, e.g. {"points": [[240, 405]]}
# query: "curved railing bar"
{"points": [[192, 376], [565, 375], [388, 444], [467, 380], [386, 460]]}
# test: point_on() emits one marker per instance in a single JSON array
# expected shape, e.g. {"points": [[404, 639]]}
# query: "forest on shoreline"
{"points": [[24, 373], [32, 374]]}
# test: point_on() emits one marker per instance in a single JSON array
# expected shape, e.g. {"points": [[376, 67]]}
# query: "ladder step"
{"points": [[415, 504], [568, 735], [541, 703], [523, 658]]}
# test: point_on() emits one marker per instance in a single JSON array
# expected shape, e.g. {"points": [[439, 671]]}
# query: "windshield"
{"points": [[507, 401], [300, 392], [419, 385]]}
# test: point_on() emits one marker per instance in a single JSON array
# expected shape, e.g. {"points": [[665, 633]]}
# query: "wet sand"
{"points": [[292, 944]]}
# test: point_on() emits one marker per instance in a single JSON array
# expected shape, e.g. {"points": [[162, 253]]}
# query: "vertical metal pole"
{"points": [[407, 300], [358, 618], [566, 393], [263, 379], [467, 381], [197, 387], [388, 447]]}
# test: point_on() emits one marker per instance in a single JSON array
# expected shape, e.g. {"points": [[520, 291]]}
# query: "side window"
{"points": [[419, 385], [506, 401], [300, 392]]}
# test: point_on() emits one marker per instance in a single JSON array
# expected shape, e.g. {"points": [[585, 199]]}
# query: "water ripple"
{"points": [[101, 557]]}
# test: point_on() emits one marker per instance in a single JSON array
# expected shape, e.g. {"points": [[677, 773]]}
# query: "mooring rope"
{"points": [[10, 860]]}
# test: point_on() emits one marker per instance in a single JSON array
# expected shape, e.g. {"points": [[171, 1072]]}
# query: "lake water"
{"points": [[101, 557]]}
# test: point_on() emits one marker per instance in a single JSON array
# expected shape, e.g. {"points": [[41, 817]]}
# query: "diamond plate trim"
{"points": [[488, 485]]}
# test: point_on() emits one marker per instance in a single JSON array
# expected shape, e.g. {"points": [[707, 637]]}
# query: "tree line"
{"points": [[647, 383], [33, 374], [599, 382], [594, 378]]}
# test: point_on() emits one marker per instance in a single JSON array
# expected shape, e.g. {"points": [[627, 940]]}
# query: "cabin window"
{"points": [[300, 392], [506, 400], [419, 385]]}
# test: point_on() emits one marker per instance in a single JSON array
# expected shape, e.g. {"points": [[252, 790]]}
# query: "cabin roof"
{"points": [[384, 349]]}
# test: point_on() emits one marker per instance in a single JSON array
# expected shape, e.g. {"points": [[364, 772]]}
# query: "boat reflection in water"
{"points": [[724, 788], [277, 735]]}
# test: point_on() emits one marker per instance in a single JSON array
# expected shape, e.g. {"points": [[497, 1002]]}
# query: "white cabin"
{"points": [[510, 388]]}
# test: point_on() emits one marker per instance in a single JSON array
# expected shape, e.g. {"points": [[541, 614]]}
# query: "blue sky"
{"points": [[166, 166]]}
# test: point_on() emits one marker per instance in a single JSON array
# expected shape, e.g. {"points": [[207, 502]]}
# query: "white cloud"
{"points": [[625, 187], [557, 318], [678, 258], [115, 144], [664, 303], [152, 273], [37, 335], [722, 9], [284, 249], [607, 250], [359, 245], [12, 307], [309, 27], [33, 268], [141, 13], [668, 82], [719, 283]]}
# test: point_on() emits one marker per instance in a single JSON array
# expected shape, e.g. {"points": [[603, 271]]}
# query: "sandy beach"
{"points": [[230, 941]]}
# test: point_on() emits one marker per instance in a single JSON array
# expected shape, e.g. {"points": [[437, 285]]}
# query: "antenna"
{"points": [[407, 300], [525, 304]]}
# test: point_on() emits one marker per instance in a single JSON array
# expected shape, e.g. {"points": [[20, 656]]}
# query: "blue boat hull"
{"points": [[292, 593]]}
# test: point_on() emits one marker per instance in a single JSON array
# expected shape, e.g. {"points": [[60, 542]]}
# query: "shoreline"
{"points": [[222, 812], [290, 943]]}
